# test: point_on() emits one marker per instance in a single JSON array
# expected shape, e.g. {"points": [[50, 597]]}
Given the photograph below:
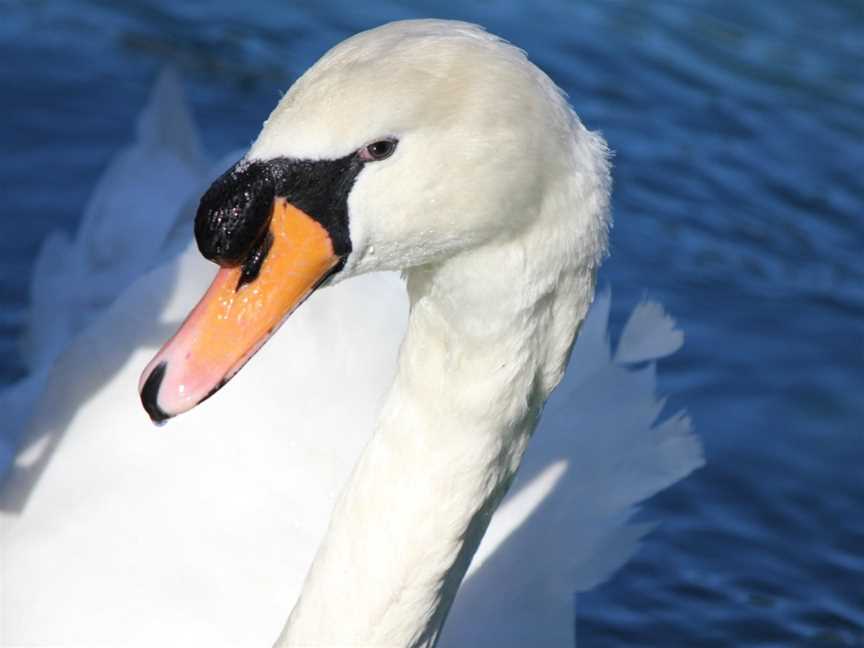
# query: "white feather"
{"points": [[648, 334]]}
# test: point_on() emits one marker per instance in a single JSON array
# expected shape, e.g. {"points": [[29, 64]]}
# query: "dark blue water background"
{"points": [[738, 128]]}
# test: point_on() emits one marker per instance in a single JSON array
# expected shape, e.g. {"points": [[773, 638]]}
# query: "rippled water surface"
{"points": [[738, 130]]}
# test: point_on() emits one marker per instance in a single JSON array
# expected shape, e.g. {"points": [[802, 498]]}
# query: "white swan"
{"points": [[184, 538]]}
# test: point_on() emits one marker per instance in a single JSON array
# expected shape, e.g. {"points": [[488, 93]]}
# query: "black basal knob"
{"points": [[234, 213]]}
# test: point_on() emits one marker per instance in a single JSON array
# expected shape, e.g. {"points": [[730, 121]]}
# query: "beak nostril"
{"points": [[252, 264]]}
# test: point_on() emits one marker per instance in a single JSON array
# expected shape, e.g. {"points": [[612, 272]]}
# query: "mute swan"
{"points": [[183, 538]]}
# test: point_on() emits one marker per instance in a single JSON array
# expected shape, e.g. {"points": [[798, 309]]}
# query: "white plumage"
{"points": [[201, 533]]}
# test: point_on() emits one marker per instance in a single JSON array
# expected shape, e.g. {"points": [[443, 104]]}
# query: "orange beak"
{"points": [[238, 314]]}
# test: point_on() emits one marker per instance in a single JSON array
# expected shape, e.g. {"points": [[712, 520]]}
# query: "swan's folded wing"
{"points": [[566, 524], [127, 229]]}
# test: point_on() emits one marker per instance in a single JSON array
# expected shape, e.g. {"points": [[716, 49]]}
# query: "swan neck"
{"points": [[473, 373]]}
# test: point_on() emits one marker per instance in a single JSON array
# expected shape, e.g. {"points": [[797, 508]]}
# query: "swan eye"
{"points": [[379, 150]]}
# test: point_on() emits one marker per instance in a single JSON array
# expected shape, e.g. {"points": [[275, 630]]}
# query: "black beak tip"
{"points": [[150, 394]]}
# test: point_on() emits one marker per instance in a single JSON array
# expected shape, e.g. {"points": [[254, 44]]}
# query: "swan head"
{"points": [[403, 147]]}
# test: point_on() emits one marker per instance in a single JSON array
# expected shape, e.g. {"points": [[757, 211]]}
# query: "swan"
{"points": [[498, 220]]}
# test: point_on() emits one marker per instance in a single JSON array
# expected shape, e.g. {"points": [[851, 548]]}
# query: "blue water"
{"points": [[739, 204]]}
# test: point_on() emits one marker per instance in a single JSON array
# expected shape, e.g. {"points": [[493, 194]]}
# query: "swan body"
{"points": [[211, 534]]}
